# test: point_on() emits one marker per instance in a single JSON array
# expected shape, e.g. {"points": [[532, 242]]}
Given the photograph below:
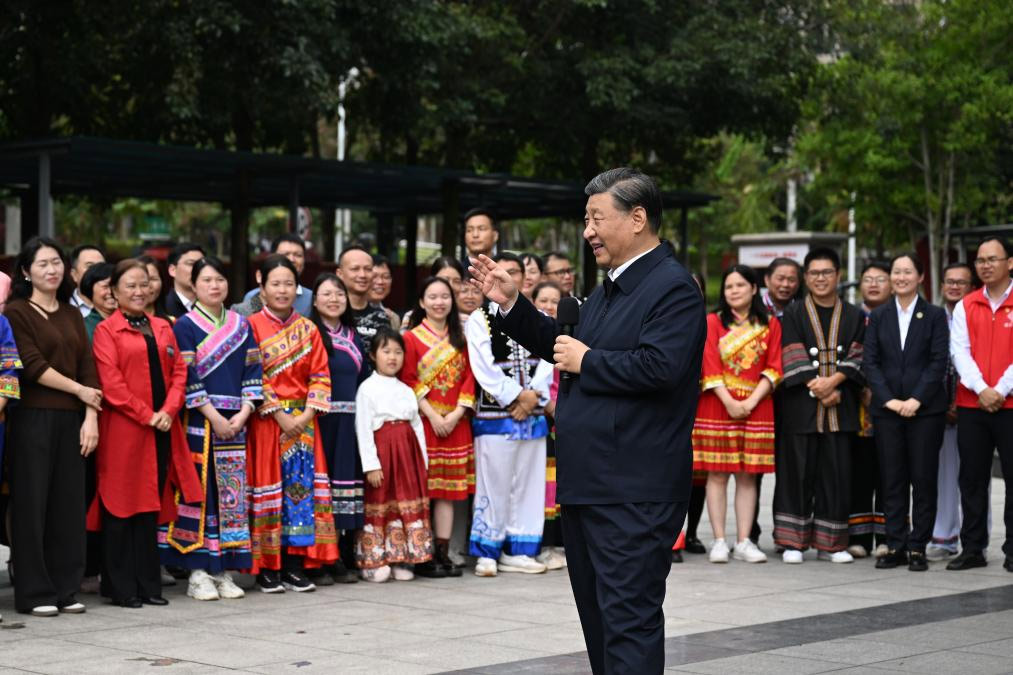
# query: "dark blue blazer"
{"points": [[917, 371], [623, 425]]}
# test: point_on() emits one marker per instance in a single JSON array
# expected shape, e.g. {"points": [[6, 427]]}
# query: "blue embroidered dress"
{"points": [[349, 368], [223, 368], [10, 387]]}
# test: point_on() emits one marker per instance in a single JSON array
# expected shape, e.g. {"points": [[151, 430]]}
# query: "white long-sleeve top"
{"points": [[383, 399], [491, 377], [960, 350]]}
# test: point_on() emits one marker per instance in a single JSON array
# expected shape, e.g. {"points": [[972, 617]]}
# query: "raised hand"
{"points": [[493, 281]]}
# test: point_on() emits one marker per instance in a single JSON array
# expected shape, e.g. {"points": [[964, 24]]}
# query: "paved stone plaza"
{"points": [[734, 618]]}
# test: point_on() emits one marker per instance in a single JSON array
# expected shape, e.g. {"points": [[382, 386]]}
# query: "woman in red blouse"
{"points": [[142, 454]]}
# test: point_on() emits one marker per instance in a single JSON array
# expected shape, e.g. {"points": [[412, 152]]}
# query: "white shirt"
{"points": [[491, 377], [615, 272], [384, 399], [960, 349], [904, 319], [77, 300], [187, 302]]}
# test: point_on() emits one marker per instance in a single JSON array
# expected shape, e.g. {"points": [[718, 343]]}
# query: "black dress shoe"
{"points": [[342, 575], [966, 561], [1008, 564], [130, 603], [917, 562], [891, 560], [156, 600], [320, 577], [694, 545], [676, 556], [430, 570]]}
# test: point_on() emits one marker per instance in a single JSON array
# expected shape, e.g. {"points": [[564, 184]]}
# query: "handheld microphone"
{"points": [[567, 316]]}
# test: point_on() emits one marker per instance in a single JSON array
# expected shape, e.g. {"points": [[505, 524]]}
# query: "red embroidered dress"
{"points": [[288, 478], [441, 374], [737, 357]]}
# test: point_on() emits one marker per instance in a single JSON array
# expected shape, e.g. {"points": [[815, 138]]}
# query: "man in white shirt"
{"points": [[981, 345], [81, 258]]}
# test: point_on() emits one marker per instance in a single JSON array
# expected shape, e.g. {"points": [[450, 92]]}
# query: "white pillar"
{"points": [[792, 206], [852, 262]]}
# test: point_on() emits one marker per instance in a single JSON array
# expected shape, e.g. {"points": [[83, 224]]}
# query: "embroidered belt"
{"points": [[343, 407], [292, 402]]}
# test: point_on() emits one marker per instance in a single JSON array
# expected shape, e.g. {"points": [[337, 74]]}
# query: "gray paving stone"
{"points": [[758, 664]]}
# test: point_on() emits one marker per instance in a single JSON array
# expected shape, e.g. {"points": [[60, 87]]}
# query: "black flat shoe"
{"points": [[676, 556], [129, 603], [917, 562], [694, 545], [319, 577], [891, 560], [342, 575], [967, 561], [1008, 564], [156, 600], [429, 570]]}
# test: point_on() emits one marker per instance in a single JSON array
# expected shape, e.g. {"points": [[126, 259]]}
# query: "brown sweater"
{"points": [[58, 342]]}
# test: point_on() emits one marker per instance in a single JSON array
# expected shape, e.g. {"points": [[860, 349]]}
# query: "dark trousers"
{"points": [[908, 450], [618, 557], [93, 540], [697, 497], [979, 433], [866, 523], [47, 506], [812, 491], [130, 566], [755, 531]]}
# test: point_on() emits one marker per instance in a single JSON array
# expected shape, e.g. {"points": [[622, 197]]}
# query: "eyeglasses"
{"points": [[994, 260], [875, 280], [566, 272], [956, 283], [816, 274]]}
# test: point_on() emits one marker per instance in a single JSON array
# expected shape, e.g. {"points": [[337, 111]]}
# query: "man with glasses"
{"points": [[822, 359], [867, 524], [559, 270], [981, 345], [957, 278]]}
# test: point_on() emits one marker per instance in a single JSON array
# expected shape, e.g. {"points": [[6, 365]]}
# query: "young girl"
{"points": [[438, 371], [392, 446]]}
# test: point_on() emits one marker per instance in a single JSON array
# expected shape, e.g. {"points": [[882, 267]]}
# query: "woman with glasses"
{"points": [[906, 353]]}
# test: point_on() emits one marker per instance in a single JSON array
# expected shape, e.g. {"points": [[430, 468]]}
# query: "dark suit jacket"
{"points": [[623, 425], [174, 307], [918, 370]]}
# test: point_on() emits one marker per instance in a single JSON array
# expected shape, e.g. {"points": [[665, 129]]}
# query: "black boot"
{"points": [[442, 558]]}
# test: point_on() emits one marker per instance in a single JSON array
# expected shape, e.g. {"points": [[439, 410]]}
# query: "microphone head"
{"points": [[568, 312]]}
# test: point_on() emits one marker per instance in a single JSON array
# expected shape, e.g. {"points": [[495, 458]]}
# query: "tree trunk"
{"points": [[930, 215]]}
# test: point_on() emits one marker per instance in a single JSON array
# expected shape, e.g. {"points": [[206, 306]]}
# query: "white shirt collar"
{"points": [[901, 310], [615, 272], [188, 303], [996, 304]]}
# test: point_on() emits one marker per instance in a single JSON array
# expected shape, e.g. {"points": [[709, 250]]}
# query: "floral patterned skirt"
{"points": [[397, 526]]}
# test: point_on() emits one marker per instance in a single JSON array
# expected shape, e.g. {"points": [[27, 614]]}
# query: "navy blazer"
{"points": [[918, 370], [623, 425]]}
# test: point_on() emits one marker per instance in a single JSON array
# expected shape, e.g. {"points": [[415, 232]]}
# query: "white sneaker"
{"points": [[747, 551], [835, 557], [792, 557], [935, 553], [376, 575], [552, 559], [520, 563], [880, 551], [485, 567], [73, 608], [227, 589], [719, 551], [403, 573], [857, 551], [201, 586]]}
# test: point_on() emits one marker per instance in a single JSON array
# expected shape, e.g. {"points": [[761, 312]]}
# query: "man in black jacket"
{"points": [[623, 419]]}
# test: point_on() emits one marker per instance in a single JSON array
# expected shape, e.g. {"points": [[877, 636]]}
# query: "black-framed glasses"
{"points": [[993, 260]]}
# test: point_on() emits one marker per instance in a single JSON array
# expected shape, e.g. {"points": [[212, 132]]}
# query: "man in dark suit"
{"points": [[181, 297], [623, 419], [906, 353]]}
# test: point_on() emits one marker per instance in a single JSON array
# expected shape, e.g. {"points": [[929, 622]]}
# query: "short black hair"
{"points": [[273, 262], [876, 265], [93, 275], [380, 260], [914, 259], [557, 255], [480, 211], [181, 249], [822, 253], [76, 252], [290, 237], [630, 188], [509, 257], [959, 266], [1002, 242], [781, 262], [207, 261], [384, 335], [353, 247], [532, 257]]}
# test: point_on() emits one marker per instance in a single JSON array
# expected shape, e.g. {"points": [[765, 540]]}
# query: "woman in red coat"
{"points": [[142, 454]]}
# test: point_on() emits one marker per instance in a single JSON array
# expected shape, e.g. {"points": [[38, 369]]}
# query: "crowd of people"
{"points": [[312, 436]]}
